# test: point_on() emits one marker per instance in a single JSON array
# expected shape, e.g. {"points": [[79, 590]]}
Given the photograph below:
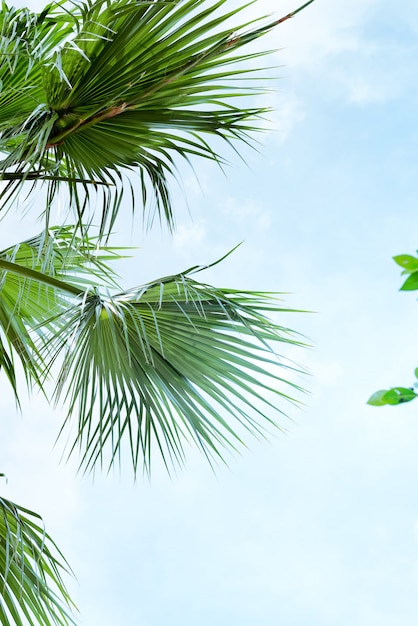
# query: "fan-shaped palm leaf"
{"points": [[91, 93], [32, 591], [172, 361]]}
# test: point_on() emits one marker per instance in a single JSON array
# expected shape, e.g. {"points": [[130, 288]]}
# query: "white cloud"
{"points": [[340, 47], [248, 211], [36, 478], [324, 28], [190, 236], [287, 110]]}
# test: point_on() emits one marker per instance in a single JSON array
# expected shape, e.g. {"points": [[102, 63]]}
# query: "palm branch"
{"points": [[172, 361], [32, 591], [97, 90]]}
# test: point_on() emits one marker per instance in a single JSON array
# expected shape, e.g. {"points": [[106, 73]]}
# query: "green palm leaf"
{"points": [[32, 591], [157, 366], [38, 278], [170, 362], [108, 88]]}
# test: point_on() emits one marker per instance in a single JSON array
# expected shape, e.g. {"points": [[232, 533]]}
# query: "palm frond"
{"points": [[39, 278], [171, 362], [102, 89], [32, 591]]}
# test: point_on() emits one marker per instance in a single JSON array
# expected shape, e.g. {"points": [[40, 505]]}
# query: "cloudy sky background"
{"points": [[320, 525]]}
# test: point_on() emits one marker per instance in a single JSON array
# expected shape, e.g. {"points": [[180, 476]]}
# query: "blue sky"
{"points": [[320, 525]]}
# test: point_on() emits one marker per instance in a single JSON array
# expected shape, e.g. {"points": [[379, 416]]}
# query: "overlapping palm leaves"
{"points": [[171, 362], [87, 93], [37, 280], [33, 291], [156, 365], [91, 94]]}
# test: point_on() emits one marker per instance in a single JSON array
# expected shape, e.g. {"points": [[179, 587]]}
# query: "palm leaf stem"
{"points": [[293, 13], [28, 176], [41, 277], [214, 52]]}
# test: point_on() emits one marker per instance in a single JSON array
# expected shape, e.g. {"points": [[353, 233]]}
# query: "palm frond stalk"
{"points": [[32, 591], [107, 88]]}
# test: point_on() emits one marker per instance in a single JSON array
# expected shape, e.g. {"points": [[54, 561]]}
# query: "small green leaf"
{"points": [[397, 395], [416, 372], [408, 262], [394, 396], [377, 398], [411, 282]]}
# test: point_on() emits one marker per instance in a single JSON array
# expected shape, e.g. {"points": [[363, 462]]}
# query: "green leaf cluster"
{"points": [[395, 395], [399, 395]]}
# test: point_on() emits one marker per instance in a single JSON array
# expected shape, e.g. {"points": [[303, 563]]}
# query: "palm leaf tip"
{"points": [[32, 590], [171, 363]]}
